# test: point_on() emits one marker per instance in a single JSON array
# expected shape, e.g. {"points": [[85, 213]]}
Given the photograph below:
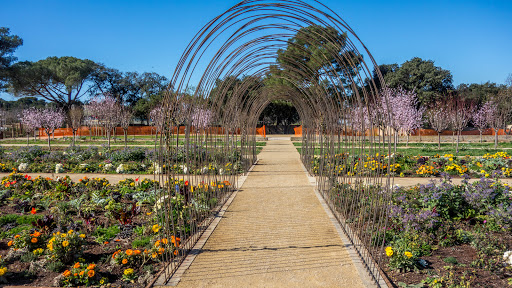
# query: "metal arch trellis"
{"points": [[210, 136]]}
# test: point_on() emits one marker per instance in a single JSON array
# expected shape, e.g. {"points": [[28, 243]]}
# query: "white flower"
{"points": [[23, 167], [221, 171], [59, 168], [120, 169], [204, 170], [108, 166], [507, 257], [156, 168]]}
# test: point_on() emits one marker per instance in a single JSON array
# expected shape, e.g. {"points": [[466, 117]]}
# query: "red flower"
{"points": [[136, 179], [33, 211], [13, 182], [186, 183]]}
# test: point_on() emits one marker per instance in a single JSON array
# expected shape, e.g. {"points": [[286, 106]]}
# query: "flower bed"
{"points": [[496, 165], [446, 235], [55, 231], [126, 161]]}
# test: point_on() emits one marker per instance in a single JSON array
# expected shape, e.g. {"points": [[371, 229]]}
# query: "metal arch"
{"points": [[245, 40]]}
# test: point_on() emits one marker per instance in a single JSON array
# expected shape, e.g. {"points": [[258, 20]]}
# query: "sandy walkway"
{"points": [[274, 234]]}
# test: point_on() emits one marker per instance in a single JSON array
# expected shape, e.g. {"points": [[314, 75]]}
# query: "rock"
{"points": [[144, 279], [57, 280], [507, 257], [37, 266], [15, 254]]}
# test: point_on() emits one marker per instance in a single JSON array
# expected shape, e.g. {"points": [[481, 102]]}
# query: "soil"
{"points": [[465, 255]]}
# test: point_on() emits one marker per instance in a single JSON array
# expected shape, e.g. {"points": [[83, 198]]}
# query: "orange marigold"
{"points": [[90, 273], [33, 240], [66, 273], [124, 261], [77, 265], [165, 241], [91, 266], [129, 252], [175, 252], [9, 243], [136, 252], [36, 234], [81, 273]]}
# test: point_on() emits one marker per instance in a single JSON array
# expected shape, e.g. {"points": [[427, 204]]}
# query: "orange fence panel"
{"points": [[261, 131]]}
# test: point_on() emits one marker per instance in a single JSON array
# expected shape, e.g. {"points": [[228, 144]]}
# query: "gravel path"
{"points": [[274, 234]]}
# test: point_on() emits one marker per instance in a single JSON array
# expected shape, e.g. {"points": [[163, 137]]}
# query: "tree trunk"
{"points": [[439, 140], [495, 139], [419, 133], [49, 147], [108, 137], [28, 138], [407, 140], [125, 138], [396, 138], [480, 136], [458, 137], [74, 136]]}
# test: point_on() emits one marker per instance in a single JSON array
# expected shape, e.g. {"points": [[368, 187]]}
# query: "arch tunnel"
{"points": [[256, 52]]}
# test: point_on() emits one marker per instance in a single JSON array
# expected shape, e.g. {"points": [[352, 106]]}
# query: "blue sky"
{"points": [[470, 38]]}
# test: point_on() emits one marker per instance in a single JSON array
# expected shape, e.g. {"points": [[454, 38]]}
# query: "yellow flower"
{"points": [[128, 271], [487, 175], [155, 228], [65, 243], [408, 254], [389, 251], [81, 236], [3, 271]]}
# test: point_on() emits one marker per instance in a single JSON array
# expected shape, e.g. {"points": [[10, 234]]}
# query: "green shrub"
{"points": [[105, 234], [142, 242]]}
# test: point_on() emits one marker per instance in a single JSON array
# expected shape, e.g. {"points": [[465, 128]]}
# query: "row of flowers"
{"points": [[127, 161], [490, 165]]}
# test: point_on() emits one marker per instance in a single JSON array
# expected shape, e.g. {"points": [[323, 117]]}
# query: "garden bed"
{"points": [[446, 235], [138, 160], [497, 165], [91, 232]]}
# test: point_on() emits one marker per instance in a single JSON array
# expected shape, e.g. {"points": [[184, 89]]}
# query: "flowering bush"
{"points": [[66, 247], [129, 257], [80, 275], [28, 240]]}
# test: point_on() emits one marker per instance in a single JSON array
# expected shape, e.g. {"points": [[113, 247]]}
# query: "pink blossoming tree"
{"points": [[29, 120], [107, 111]]}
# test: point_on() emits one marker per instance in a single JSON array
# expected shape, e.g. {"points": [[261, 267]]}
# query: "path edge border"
{"points": [[189, 259], [366, 278]]}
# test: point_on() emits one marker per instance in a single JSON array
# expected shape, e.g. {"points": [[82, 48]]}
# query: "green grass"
{"points": [[418, 151]]}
